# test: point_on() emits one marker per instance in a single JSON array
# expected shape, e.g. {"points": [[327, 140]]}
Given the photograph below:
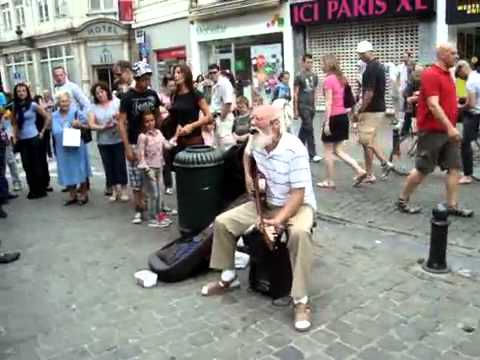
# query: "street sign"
{"points": [[139, 36]]}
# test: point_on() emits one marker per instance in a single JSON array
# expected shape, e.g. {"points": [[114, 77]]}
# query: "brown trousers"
{"points": [[230, 225]]}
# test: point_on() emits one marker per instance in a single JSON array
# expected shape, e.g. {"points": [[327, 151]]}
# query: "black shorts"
{"points": [[339, 129], [435, 149]]}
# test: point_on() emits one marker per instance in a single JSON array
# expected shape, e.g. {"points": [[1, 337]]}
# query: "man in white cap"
{"points": [[371, 112], [290, 201], [134, 103]]}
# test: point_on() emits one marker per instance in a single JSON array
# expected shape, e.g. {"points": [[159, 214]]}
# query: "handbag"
{"points": [[85, 134], [348, 98], [71, 137]]}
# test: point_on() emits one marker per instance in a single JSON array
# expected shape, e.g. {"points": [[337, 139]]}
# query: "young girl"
{"points": [[151, 144]]}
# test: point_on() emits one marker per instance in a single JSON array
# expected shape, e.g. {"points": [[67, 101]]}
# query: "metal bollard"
{"points": [[437, 259]]}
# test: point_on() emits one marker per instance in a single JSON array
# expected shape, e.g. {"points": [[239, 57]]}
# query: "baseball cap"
{"points": [[364, 46], [141, 68]]}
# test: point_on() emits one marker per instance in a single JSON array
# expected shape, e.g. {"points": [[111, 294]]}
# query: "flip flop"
{"points": [[357, 180], [326, 185]]}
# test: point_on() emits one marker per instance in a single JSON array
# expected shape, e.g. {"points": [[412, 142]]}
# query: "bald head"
{"points": [[447, 54]]}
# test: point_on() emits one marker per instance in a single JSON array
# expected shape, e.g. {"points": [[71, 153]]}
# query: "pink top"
{"points": [[150, 147], [331, 83]]}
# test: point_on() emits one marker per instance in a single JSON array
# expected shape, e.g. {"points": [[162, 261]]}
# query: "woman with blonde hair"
{"points": [[336, 127]]}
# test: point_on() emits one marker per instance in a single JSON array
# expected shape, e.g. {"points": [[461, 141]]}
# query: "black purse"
{"points": [[85, 134]]}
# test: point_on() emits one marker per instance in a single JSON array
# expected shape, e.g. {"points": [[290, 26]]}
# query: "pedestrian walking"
{"points": [[438, 138], [189, 111], [471, 118], [282, 89], [371, 113], [151, 144], [336, 124], [136, 101], [29, 141], [103, 118], [305, 87], [73, 163], [223, 102], [124, 81], [10, 157]]}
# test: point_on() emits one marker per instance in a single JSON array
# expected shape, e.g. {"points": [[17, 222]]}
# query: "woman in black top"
{"points": [[187, 103]]}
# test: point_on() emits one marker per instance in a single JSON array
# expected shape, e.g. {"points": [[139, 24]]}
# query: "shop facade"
{"points": [[254, 46], [164, 45], [87, 52], [463, 20], [393, 27]]}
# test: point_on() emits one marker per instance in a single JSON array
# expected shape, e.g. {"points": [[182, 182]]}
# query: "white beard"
{"points": [[261, 140]]}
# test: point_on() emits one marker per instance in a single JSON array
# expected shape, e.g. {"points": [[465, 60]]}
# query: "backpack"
{"points": [[348, 98]]}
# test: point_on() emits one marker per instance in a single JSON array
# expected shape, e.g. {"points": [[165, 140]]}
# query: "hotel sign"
{"points": [[463, 11], [336, 11]]}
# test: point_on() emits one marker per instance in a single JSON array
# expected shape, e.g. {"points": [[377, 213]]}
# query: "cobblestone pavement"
{"points": [[72, 295]]}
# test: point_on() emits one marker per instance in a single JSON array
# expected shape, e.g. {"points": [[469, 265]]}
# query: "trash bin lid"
{"points": [[198, 156]]}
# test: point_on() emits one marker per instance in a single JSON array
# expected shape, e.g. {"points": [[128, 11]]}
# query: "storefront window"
{"points": [[57, 56], [20, 68]]}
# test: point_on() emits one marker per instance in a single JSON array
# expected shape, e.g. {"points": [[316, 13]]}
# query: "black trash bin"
{"points": [[199, 177]]}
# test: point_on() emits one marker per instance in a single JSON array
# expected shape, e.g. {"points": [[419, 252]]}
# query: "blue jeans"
{"points": [[153, 189]]}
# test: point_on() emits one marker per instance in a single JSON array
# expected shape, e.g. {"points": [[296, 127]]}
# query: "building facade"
{"points": [[162, 33], [393, 27], [252, 39], [85, 37]]}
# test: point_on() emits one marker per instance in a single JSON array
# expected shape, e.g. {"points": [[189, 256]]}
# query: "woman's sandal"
{"points": [[357, 180], [70, 202], [220, 287], [459, 212], [326, 185]]}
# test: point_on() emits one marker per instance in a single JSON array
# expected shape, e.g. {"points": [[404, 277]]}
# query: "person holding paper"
{"points": [[73, 164]]}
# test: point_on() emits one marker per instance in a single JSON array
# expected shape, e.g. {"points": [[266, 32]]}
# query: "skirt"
{"points": [[339, 129]]}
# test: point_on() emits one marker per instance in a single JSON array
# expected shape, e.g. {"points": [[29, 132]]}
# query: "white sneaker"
{"points": [[137, 219], [159, 224], [169, 191], [317, 158]]}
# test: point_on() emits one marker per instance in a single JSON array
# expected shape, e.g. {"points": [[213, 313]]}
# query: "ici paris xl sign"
{"points": [[334, 11]]}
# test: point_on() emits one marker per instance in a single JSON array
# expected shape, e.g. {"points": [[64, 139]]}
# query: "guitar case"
{"points": [[270, 270]]}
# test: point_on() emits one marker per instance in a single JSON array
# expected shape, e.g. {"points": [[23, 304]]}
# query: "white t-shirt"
{"points": [[222, 93], [473, 86]]}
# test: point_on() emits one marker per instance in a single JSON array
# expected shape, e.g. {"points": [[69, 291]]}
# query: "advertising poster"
{"points": [[267, 64]]}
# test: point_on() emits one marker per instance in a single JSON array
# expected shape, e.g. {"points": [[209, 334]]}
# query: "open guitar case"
{"points": [[189, 255]]}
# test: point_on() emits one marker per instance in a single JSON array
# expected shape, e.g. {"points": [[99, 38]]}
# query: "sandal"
{"points": [[370, 179], [326, 185], [220, 287], [465, 180], [404, 207], [70, 202], [357, 180], [303, 317], [456, 211]]}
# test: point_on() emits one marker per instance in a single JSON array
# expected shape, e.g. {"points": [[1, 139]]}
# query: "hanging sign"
{"points": [[335, 11], [463, 11]]}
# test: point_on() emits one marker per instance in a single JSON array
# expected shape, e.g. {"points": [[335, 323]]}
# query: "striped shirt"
{"points": [[285, 168]]}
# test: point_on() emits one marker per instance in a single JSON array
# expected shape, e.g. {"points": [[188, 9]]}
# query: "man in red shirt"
{"points": [[438, 138]]}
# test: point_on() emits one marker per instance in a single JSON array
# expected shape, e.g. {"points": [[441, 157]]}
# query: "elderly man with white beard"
{"points": [[290, 202]]}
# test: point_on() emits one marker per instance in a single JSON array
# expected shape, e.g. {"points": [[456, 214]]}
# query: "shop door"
{"points": [[104, 74], [224, 57], [390, 39]]}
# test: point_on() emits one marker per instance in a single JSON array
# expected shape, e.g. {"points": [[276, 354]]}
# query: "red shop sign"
{"points": [[171, 53], [125, 8], [335, 11]]}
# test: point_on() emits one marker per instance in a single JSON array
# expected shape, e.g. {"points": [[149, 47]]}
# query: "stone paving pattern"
{"points": [[72, 295]]}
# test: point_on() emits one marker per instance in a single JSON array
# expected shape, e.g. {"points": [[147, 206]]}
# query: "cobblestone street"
{"points": [[72, 295]]}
